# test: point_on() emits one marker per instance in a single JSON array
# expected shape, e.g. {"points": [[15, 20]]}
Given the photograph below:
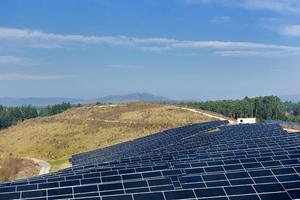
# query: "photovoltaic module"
{"points": [[211, 160]]}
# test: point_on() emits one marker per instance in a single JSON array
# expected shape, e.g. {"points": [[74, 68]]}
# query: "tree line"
{"points": [[12, 115], [292, 108], [292, 111], [262, 108]]}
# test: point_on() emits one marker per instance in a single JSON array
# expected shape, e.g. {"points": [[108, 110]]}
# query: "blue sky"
{"points": [[181, 49]]}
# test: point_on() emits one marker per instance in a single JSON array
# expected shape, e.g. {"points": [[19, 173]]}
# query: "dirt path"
{"points": [[230, 121], [208, 115], [291, 130], [44, 165]]}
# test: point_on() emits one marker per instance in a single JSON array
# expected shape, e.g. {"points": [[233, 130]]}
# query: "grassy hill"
{"points": [[85, 128]]}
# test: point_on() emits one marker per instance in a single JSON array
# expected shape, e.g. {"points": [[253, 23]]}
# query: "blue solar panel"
{"points": [[258, 161]]}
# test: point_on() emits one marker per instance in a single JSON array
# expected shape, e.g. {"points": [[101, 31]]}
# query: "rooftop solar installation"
{"points": [[210, 160]]}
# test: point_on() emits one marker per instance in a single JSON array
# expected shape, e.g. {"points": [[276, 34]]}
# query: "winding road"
{"points": [[44, 165], [208, 115], [230, 121]]}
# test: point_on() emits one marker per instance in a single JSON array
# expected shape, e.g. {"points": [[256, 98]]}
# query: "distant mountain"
{"points": [[43, 101], [134, 97], [293, 98]]}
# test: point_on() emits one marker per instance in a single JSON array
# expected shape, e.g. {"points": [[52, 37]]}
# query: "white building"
{"points": [[246, 120]]}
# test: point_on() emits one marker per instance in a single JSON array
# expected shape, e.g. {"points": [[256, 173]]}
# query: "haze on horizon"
{"points": [[180, 49]]}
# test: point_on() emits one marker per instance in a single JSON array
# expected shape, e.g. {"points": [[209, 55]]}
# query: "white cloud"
{"points": [[16, 60], [33, 77], [281, 6], [26, 34], [122, 66], [6, 60], [257, 53], [293, 30], [30, 38], [25, 38], [156, 49]]}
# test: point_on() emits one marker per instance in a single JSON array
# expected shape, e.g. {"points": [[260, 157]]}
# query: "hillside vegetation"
{"points": [[79, 129]]}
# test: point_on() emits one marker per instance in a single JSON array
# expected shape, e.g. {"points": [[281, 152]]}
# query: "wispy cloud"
{"points": [[32, 77], [220, 19], [254, 53], [122, 66], [15, 60], [281, 6], [228, 48], [292, 30], [55, 40], [34, 38]]}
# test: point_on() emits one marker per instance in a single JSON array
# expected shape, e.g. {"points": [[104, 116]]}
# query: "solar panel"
{"points": [[258, 161]]}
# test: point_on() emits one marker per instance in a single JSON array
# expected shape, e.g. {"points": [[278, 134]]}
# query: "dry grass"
{"points": [[12, 168], [90, 127]]}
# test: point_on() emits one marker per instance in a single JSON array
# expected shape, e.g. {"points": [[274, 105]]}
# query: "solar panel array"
{"points": [[200, 161]]}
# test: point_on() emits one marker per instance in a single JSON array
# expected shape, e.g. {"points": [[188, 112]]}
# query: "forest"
{"points": [[262, 108], [12, 115]]}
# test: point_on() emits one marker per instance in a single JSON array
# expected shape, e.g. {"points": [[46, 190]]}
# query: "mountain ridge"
{"points": [[44, 101], [295, 98]]}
